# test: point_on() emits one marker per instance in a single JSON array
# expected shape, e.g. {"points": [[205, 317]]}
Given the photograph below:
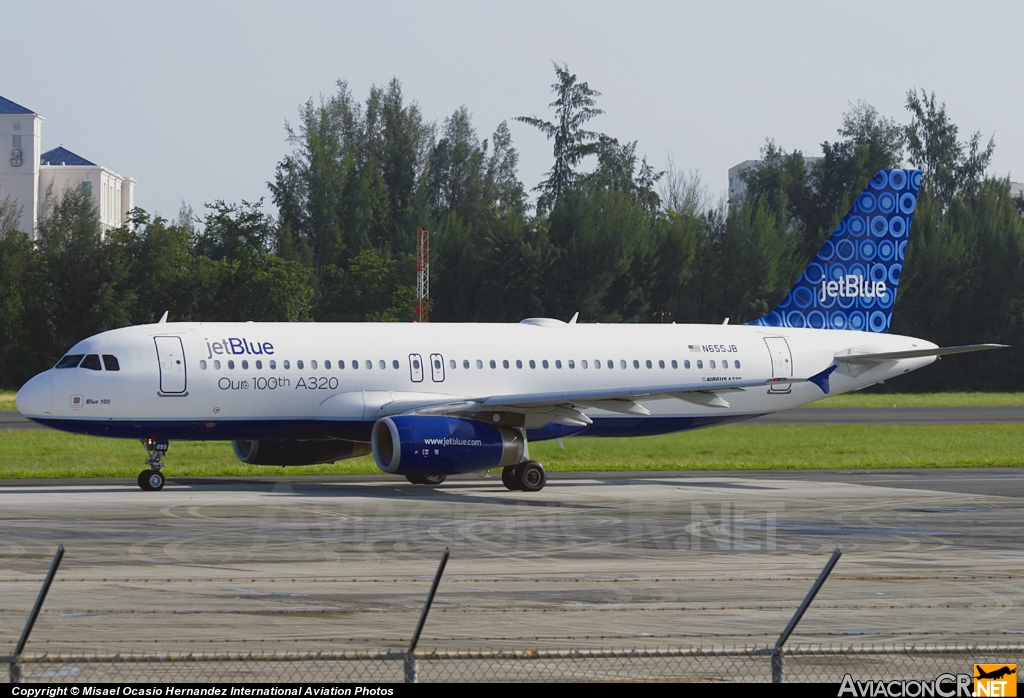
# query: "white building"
{"points": [[738, 188], [29, 175]]}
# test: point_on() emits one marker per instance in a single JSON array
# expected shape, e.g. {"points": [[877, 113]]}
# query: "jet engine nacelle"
{"points": [[292, 452], [430, 445]]}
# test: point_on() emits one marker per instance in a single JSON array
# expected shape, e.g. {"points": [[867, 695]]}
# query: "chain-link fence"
{"points": [[748, 664]]}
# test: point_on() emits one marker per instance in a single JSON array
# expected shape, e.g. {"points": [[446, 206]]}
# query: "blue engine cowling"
{"points": [[427, 445]]}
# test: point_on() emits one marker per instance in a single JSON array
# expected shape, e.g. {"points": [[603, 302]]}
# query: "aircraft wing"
{"points": [[565, 406], [914, 353]]}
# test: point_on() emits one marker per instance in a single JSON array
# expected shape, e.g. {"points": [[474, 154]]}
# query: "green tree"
{"points": [[574, 107]]}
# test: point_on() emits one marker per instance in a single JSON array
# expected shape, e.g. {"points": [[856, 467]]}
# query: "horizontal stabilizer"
{"points": [[914, 354], [821, 379]]}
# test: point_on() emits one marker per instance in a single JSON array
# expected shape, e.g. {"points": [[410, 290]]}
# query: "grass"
{"points": [[32, 454], [7, 401]]}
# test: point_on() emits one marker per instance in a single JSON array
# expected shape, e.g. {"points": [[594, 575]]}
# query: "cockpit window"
{"points": [[110, 363], [70, 361], [91, 362]]}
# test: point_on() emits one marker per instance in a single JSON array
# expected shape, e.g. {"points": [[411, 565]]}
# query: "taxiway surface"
{"points": [[609, 560]]}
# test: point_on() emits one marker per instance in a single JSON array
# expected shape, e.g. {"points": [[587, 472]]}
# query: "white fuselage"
{"points": [[272, 380]]}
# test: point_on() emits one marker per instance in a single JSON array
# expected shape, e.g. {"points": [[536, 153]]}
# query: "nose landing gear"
{"points": [[152, 480]]}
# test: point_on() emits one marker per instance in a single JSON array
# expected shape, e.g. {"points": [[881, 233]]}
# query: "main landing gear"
{"points": [[528, 476], [152, 480]]}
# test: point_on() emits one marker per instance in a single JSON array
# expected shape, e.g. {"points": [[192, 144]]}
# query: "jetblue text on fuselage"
{"points": [[235, 346], [852, 286]]}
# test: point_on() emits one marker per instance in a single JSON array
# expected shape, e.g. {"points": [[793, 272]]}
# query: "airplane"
{"points": [[431, 400]]}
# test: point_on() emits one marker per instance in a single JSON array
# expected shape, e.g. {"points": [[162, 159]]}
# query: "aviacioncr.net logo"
{"points": [[944, 686]]}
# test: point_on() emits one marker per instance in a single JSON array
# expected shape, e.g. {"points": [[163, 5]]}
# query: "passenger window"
{"points": [[465, 363], [558, 363], [622, 363], [245, 364], [661, 363], [583, 363], [231, 364], [341, 365], [712, 363], [700, 364], [493, 364], [312, 364], [479, 363], [394, 363], [91, 362], [451, 363], [202, 364], [736, 363], [273, 365], [415, 364], [544, 363], [259, 365], [675, 364], [287, 364], [505, 363], [327, 364], [519, 363], [597, 364], [636, 364], [369, 365], [216, 364], [686, 363], [650, 365], [725, 364], [111, 364], [572, 364], [533, 364], [70, 361], [299, 364], [383, 364]]}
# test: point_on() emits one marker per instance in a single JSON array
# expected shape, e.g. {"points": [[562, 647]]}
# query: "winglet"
{"points": [[575, 318], [163, 318], [821, 379]]}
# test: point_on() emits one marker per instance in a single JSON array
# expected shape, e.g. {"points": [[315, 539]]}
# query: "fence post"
{"points": [[778, 665], [410, 656], [16, 659]]}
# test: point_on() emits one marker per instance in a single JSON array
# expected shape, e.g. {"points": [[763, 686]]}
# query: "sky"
{"points": [[190, 98]]}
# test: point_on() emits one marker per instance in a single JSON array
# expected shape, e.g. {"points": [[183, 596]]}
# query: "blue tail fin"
{"points": [[851, 284]]}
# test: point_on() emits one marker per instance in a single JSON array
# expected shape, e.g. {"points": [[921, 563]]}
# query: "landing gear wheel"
{"points": [[531, 476], [426, 479], [508, 478], [151, 480]]}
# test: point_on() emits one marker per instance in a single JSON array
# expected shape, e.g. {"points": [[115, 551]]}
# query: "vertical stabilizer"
{"points": [[851, 284]]}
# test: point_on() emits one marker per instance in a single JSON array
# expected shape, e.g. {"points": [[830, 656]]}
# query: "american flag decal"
{"points": [[694, 348]]}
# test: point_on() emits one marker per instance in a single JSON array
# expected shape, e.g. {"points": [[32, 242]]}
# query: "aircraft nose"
{"points": [[35, 398]]}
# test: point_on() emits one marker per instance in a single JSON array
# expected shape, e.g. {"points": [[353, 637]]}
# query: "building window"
{"points": [[87, 188], [16, 141]]}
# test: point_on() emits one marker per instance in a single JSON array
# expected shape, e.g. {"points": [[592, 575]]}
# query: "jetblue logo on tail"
{"points": [[851, 284]]}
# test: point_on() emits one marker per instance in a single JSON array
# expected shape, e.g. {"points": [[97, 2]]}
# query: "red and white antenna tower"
{"points": [[422, 275]]}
